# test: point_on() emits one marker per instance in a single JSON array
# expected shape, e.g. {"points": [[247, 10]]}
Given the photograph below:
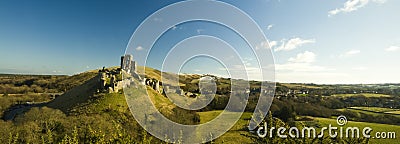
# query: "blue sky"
{"points": [[313, 41]]}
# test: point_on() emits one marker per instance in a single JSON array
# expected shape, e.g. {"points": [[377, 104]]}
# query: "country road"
{"points": [[13, 111], [19, 109]]}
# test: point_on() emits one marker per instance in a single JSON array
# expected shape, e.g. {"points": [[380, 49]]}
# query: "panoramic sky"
{"points": [[313, 41]]}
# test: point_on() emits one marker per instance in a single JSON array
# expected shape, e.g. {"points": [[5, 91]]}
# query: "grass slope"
{"points": [[76, 95], [235, 134]]}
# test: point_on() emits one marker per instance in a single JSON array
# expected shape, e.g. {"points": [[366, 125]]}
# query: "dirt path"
{"points": [[20, 109]]}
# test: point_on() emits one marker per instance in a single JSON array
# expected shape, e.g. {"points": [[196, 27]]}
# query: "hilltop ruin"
{"points": [[114, 80]]}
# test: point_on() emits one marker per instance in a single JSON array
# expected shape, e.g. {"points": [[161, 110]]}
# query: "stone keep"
{"points": [[128, 64]]}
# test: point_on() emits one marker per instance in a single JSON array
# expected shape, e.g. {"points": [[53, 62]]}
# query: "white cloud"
{"points": [[392, 48], [269, 26], [301, 68], [333, 12], [273, 43], [248, 61], [301, 63], [139, 48], [264, 44], [293, 44], [285, 45], [350, 53], [353, 5], [306, 57]]}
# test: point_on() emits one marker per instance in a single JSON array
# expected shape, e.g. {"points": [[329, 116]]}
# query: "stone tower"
{"points": [[128, 64], [133, 67]]}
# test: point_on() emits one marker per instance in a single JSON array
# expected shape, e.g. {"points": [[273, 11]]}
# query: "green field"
{"points": [[375, 109], [361, 125], [360, 111], [394, 112], [379, 110], [361, 94], [289, 85], [235, 134]]}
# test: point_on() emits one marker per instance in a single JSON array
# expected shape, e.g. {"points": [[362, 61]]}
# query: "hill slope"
{"points": [[86, 116], [76, 95]]}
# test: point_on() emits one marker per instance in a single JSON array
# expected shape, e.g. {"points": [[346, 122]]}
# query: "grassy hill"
{"points": [[76, 95], [156, 74], [22, 84], [82, 114], [17, 90]]}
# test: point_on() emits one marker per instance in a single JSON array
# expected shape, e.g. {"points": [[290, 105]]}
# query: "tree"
{"points": [[287, 113]]}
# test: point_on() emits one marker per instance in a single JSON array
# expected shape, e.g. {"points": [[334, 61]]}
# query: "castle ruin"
{"points": [[128, 64], [113, 81]]}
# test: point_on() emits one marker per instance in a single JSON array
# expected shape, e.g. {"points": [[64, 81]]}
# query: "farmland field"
{"points": [[375, 109], [361, 94], [235, 134], [376, 128]]}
